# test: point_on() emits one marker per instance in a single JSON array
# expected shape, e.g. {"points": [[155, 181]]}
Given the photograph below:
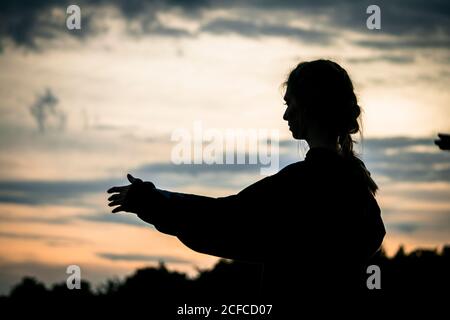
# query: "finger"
{"points": [[115, 203], [117, 189], [119, 208], [117, 196], [133, 179]]}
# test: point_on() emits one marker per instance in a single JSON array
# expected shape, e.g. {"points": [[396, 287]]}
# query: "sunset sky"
{"points": [[80, 109]]}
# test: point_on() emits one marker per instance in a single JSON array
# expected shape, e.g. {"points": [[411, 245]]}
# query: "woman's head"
{"points": [[321, 104], [320, 99]]}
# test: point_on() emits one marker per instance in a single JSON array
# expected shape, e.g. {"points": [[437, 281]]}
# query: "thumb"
{"points": [[133, 179]]}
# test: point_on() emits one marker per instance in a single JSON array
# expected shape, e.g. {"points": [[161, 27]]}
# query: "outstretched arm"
{"points": [[225, 226]]}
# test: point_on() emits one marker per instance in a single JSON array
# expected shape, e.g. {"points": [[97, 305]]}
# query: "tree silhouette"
{"points": [[161, 291]]}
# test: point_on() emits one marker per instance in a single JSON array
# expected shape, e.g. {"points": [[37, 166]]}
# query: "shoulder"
{"points": [[294, 171], [275, 181], [293, 167]]}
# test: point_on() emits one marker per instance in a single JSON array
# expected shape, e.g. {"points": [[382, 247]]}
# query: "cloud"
{"points": [[8, 218], [148, 25], [26, 23], [423, 24], [101, 217], [398, 18], [50, 192], [435, 195], [405, 227], [416, 221], [383, 58], [425, 43], [255, 29], [107, 217], [418, 173], [140, 257], [400, 159], [48, 239], [407, 159], [377, 144], [45, 109]]}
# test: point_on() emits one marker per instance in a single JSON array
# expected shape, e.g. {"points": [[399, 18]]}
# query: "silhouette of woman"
{"points": [[317, 217]]}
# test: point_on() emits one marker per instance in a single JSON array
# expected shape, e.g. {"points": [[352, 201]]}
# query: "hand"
{"points": [[127, 198]]}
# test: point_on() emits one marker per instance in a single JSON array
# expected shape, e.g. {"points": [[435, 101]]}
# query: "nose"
{"points": [[286, 114]]}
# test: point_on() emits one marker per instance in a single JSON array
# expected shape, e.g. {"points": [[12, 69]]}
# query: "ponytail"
{"points": [[346, 143]]}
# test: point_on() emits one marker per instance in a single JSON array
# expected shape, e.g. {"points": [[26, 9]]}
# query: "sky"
{"points": [[79, 109]]}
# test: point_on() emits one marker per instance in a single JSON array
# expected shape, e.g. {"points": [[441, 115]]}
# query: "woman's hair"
{"points": [[324, 92]]}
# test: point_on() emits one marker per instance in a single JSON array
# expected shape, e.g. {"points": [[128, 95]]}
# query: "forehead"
{"points": [[288, 92]]}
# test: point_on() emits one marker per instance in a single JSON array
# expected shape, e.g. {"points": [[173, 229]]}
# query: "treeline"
{"points": [[157, 288]]}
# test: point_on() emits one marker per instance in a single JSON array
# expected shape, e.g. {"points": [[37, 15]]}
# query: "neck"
{"points": [[317, 142]]}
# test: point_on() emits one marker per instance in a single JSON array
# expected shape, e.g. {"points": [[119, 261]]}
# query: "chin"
{"points": [[296, 136]]}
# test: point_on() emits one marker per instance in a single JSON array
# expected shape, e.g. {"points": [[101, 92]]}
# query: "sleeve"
{"points": [[227, 227]]}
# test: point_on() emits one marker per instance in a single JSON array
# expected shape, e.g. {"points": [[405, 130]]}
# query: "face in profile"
{"points": [[294, 117]]}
